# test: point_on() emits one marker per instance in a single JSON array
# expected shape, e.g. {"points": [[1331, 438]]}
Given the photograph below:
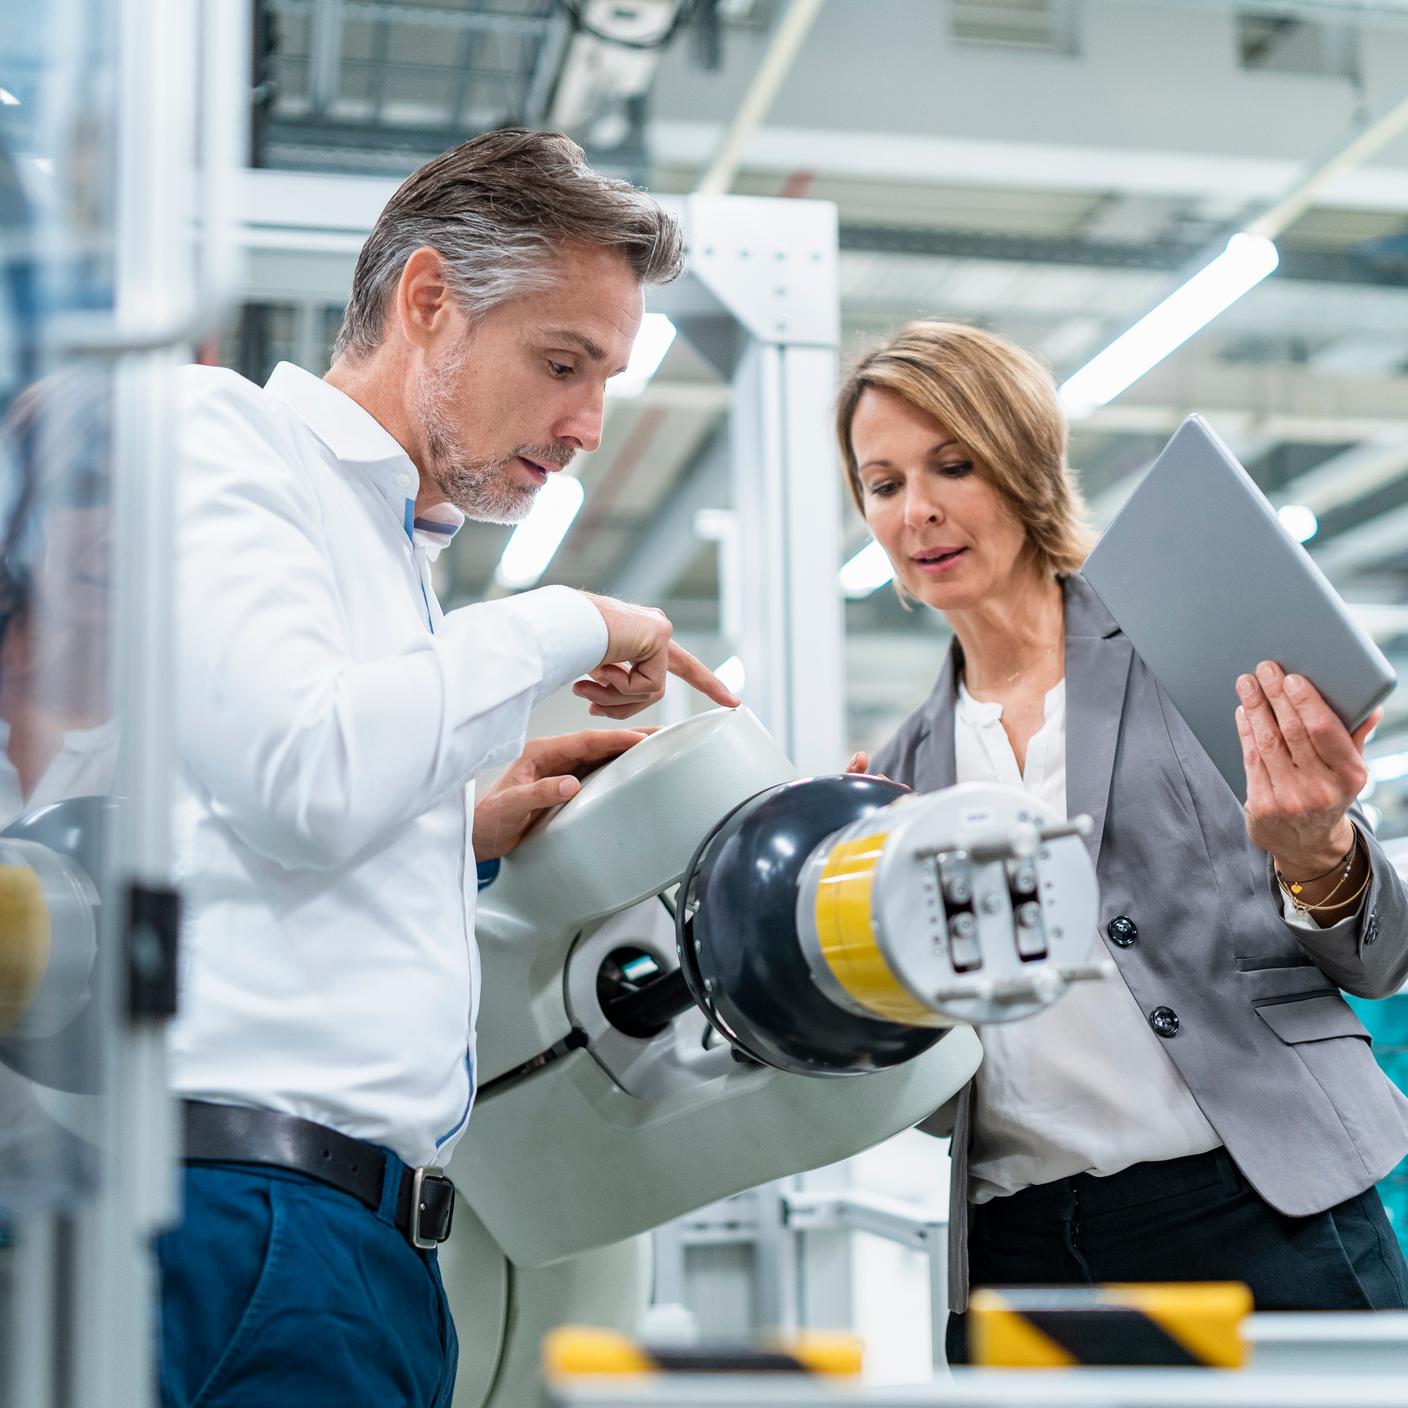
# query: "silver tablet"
{"points": [[1205, 582]]}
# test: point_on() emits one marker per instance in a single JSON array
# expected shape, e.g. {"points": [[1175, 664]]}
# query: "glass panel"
{"points": [[58, 733]]}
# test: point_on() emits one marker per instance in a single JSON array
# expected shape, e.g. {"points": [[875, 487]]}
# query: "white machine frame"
{"points": [[776, 1222]]}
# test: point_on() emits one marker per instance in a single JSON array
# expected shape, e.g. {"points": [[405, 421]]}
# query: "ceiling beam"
{"points": [[425, 16], [1351, 266], [1365, 546], [1352, 474], [1278, 401], [665, 546]]}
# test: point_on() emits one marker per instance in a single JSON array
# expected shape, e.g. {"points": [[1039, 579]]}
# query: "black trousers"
{"points": [[1190, 1219]]}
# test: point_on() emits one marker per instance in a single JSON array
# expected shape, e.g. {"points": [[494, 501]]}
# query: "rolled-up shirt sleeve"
{"points": [[310, 754]]}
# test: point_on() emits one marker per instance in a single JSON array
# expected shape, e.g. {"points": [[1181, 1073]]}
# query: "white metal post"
{"points": [[772, 265], [112, 1283]]}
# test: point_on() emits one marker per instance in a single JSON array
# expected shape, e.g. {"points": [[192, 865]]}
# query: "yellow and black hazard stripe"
{"points": [[1192, 1324], [575, 1350]]}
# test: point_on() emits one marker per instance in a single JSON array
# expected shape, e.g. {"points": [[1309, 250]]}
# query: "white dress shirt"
{"points": [[1085, 1086], [332, 719]]}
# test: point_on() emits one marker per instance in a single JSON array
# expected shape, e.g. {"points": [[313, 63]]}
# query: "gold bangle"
{"points": [[1338, 904], [1294, 887]]}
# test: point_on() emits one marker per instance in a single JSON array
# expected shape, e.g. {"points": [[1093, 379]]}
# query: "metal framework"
{"points": [[1382, 262], [773, 1226], [81, 1326], [331, 107]]}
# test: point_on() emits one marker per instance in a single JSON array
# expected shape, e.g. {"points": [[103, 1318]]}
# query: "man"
{"points": [[333, 721]]}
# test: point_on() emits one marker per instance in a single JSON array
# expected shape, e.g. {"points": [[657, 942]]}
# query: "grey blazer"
{"points": [[1273, 1054]]}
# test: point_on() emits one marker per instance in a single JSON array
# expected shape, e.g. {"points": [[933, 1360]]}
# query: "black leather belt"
{"points": [[236, 1134]]}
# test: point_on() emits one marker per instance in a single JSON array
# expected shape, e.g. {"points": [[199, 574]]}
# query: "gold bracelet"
{"points": [[1292, 891], [1302, 907], [1294, 887], [1339, 904]]}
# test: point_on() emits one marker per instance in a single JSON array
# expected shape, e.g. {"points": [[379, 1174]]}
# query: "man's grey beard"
{"points": [[481, 489]]}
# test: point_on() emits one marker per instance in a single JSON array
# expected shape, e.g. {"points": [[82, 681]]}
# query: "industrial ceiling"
{"points": [[1047, 168]]}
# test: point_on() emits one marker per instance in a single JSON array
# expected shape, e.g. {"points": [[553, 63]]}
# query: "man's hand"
{"points": [[639, 654], [1304, 769], [545, 775]]}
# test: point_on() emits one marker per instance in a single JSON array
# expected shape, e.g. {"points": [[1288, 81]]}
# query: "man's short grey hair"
{"points": [[497, 209]]}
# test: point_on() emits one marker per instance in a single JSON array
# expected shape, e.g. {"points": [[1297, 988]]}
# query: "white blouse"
{"points": [[1086, 1086]]}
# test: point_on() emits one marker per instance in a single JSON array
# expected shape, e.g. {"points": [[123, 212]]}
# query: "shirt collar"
{"points": [[351, 432], [982, 713], [356, 437]]}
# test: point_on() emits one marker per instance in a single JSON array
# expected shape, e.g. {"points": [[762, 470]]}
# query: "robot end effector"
{"points": [[837, 925], [840, 924]]}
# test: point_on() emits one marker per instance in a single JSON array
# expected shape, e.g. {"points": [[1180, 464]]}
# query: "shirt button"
{"points": [[1164, 1020], [1122, 930], [404, 480]]}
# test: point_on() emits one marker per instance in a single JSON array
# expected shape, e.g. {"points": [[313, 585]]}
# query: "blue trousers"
{"points": [[277, 1290]]}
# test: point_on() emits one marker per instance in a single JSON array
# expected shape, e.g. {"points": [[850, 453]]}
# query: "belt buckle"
{"points": [[418, 1238]]}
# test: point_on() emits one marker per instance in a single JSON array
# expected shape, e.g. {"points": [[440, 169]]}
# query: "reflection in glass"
{"points": [[58, 737]]}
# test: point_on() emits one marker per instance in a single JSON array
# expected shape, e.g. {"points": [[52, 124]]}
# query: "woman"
{"points": [[1214, 1111]]}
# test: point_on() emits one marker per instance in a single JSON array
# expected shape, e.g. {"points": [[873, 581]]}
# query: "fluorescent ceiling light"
{"points": [[8, 99], [1300, 522], [1246, 261], [44, 164], [866, 572], [732, 675], [653, 340], [1388, 767], [539, 536]]}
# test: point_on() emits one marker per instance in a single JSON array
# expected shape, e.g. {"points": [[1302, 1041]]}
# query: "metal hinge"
{"points": [[153, 933]]}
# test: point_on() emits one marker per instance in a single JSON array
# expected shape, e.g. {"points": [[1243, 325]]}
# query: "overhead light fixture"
{"points": [[1299, 521], [1246, 261], [8, 99], [866, 572], [1388, 767], [732, 675], [653, 340], [539, 536]]}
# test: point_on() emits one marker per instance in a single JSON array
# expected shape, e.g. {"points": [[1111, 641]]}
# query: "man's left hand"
{"points": [[1304, 769], [547, 774]]}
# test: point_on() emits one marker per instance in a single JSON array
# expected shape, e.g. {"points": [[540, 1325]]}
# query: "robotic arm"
{"points": [[703, 974]]}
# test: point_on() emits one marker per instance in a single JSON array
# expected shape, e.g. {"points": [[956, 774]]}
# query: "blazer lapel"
{"points": [[1098, 657], [934, 765]]}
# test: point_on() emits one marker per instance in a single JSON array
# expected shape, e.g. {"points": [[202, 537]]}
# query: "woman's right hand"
{"points": [[860, 763]]}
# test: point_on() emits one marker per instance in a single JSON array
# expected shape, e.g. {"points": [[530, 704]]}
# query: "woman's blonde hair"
{"points": [[1001, 403]]}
